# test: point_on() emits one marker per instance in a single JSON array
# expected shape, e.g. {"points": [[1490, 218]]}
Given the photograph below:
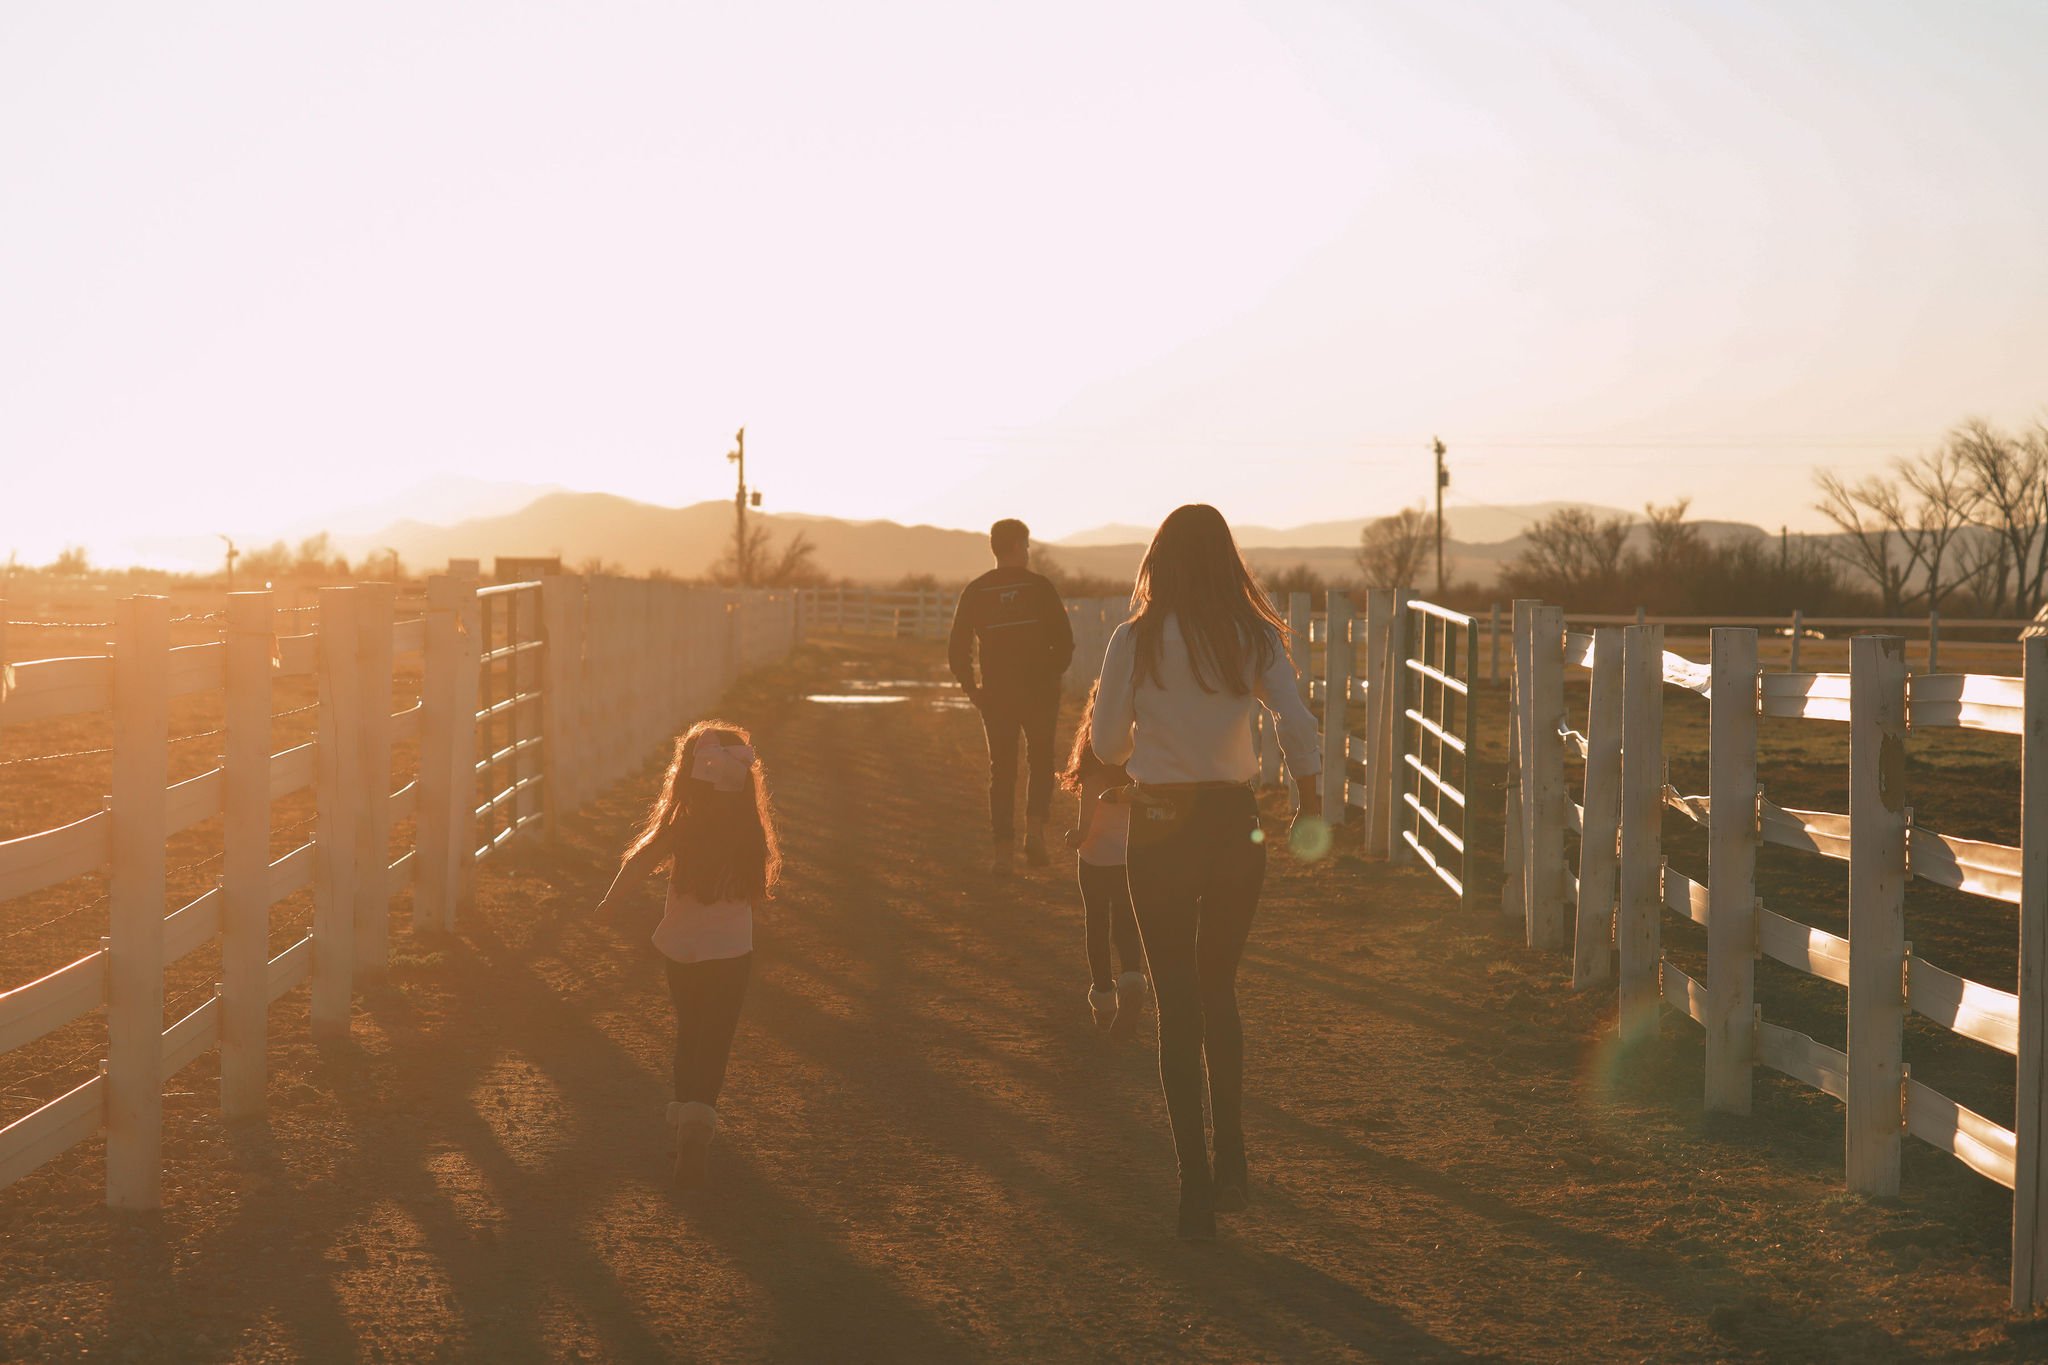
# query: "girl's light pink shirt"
{"points": [[1106, 837], [691, 931]]}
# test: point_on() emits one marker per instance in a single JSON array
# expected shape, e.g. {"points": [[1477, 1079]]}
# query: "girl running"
{"points": [[1099, 839], [1179, 680], [714, 832]]}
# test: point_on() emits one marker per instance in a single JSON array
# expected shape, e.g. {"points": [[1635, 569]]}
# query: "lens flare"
{"points": [[1311, 839]]}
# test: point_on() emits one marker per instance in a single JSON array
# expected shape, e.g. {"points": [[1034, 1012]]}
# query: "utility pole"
{"points": [[1443, 476], [742, 561], [232, 554]]}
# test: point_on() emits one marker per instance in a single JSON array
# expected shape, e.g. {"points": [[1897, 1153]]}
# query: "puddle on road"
{"points": [[939, 693]]}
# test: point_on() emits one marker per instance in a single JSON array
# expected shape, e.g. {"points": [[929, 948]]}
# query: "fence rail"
{"points": [[533, 697], [1624, 884]]}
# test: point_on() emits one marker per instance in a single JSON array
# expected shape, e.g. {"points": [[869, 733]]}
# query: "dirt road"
{"points": [[930, 1155]]}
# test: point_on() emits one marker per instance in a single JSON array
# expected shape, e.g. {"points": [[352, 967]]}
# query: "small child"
{"points": [[714, 832], [1100, 837]]}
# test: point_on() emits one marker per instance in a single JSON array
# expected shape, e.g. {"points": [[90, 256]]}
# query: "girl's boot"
{"points": [[1131, 990], [1102, 1002]]}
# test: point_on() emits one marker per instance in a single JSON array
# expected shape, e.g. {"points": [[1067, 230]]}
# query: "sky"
{"points": [[1076, 262]]}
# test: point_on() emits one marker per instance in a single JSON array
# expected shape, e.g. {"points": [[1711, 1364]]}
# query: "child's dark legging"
{"points": [[707, 997], [1106, 896], [1194, 892]]}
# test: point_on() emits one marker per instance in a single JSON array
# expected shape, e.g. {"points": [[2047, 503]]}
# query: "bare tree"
{"points": [[2009, 477], [1944, 505], [754, 562], [1391, 550], [1572, 556], [1674, 541], [1899, 531], [1862, 512]]}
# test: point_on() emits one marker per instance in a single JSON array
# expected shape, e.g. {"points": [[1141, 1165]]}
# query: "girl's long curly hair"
{"points": [[715, 845], [1082, 763], [1193, 572]]}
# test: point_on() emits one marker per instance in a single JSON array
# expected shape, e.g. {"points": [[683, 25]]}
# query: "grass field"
{"points": [[930, 1155]]}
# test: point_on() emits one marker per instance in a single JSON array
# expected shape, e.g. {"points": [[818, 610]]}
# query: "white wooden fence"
{"points": [[905, 613], [533, 698], [1614, 905]]}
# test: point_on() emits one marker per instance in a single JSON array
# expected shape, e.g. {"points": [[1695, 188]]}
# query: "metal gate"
{"points": [[1437, 664]]}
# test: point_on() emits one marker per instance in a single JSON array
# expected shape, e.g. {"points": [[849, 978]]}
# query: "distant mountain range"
{"points": [[639, 538], [1474, 525]]}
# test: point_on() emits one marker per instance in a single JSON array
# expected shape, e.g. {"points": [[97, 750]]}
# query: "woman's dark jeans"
{"points": [[707, 997], [1196, 868]]}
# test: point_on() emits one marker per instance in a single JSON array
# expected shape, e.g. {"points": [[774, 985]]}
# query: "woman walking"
{"points": [[1175, 703]]}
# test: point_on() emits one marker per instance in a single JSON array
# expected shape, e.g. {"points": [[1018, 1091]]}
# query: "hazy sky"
{"points": [[1077, 262]]}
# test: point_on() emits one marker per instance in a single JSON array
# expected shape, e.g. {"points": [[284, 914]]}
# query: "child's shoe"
{"points": [[694, 1125], [1103, 1002], [1131, 990]]}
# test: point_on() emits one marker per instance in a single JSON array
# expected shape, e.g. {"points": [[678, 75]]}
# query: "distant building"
{"points": [[526, 568]]}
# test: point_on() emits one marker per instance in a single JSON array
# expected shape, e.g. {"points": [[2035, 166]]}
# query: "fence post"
{"points": [[1600, 829], [135, 902], [1336, 696], [374, 619], [1798, 634], [470, 646], [558, 762], [435, 882], [1877, 921], [1731, 872], [245, 857], [1934, 639], [1468, 864], [1395, 718], [2030, 1126], [1512, 895], [1639, 931], [1300, 610], [1543, 780], [337, 789], [1493, 642]]}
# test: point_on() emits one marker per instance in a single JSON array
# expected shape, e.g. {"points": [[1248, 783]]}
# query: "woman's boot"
{"points": [[695, 1124], [1197, 1211]]}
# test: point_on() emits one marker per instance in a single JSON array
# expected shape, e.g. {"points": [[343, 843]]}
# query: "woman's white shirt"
{"points": [[1171, 730]]}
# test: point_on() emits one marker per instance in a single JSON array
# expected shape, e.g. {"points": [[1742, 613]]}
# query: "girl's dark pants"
{"points": [[707, 997], [1195, 874], [1106, 896]]}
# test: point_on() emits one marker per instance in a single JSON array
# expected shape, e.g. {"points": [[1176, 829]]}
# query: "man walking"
{"points": [[1014, 619]]}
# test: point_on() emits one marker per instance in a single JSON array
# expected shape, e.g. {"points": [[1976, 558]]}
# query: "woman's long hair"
{"points": [[1082, 763], [715, 845], [1194, 573]]}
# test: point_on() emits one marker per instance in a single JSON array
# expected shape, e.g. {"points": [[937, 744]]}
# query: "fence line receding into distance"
{"points": [[532, 699]]}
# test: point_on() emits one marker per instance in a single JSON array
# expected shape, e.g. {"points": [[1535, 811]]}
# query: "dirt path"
{"points": [[931, 1156]]}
